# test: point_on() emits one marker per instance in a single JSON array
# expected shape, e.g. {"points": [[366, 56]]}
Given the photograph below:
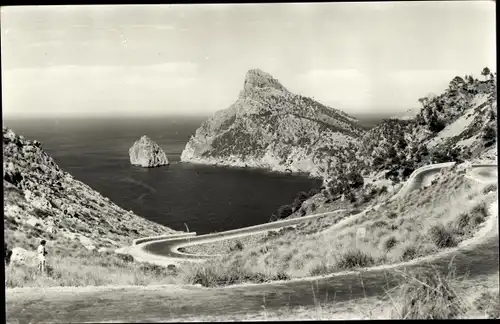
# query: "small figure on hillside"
{"points": [[42, 252], [7, 255]]}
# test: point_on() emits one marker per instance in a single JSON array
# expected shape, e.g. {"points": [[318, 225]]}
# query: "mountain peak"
{"points": [[258, 79]]}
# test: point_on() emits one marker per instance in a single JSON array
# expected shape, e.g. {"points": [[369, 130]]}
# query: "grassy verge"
{"points": [[71, 264], [418, 295], [237, 244]]}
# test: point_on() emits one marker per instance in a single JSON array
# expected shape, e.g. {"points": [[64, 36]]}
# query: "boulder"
{"points": [[87, 242], [22, 256], [33, 221], [105, 250], [147, 154]]}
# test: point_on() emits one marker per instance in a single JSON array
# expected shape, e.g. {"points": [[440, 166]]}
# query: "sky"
{"points": [[151, 60]]}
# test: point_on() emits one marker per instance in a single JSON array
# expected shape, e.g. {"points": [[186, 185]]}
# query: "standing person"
{"points": [[42, 252], [8, 254]]}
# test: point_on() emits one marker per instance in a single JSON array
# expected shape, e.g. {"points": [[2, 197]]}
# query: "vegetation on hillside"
{"points": [[398, 147], [435, 218]]}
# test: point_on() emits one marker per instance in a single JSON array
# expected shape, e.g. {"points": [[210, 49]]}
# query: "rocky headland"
{"points": [[270, 127]]}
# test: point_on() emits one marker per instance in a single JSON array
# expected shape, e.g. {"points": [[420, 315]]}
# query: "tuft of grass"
{"points": [[238, 246], [467, 222], [409, 252], [215, 273], [319, 269], [426, 294], [441, 236], [354, 259]]}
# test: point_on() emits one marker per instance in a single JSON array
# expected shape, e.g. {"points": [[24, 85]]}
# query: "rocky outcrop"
{"points": [[43, 201], [147, 154], [270, 127]]}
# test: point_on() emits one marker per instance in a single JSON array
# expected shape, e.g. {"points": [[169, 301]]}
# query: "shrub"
{"points": [[320, 269], [284, 211], [480, 209], [436, 125], [467, 222], [314, 191], [354, 259], [153, 269], [238, 246], [313, 207], [392, 215], [354, 211], [489, 188], [441, 236], [409, 252], [350, 196], [379, 223], [489, 134], [390, 243], [299, 200], [125, 257], [428, 295]]}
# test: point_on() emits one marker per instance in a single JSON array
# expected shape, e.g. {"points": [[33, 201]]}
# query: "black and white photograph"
{"points": [[217, 162]]}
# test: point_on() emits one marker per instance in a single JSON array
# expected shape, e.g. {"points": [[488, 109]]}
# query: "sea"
{"points": [[201, 198]]}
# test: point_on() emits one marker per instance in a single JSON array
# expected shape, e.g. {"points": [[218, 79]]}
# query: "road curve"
{"points": [[165, 251]]}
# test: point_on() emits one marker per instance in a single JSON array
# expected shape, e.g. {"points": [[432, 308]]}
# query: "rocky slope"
{"points": [[270, 127], [458, 124], [147, 154], [41, 200]]}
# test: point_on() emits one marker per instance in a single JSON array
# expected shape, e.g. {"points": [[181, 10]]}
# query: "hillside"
{"points": [[457, 125], [270, 127], [42, 198]]}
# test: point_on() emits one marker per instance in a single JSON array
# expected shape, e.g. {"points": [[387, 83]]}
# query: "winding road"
{"points": [[477, 257]]}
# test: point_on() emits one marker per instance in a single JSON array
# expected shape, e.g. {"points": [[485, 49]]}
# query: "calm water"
{"points": [[206, 198]]}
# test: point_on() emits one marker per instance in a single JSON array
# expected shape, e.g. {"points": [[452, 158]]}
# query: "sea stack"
{"points": [[147, 154]]}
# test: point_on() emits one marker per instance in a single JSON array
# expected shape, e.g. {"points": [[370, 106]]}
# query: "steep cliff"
{"points": [[270, 127]]}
